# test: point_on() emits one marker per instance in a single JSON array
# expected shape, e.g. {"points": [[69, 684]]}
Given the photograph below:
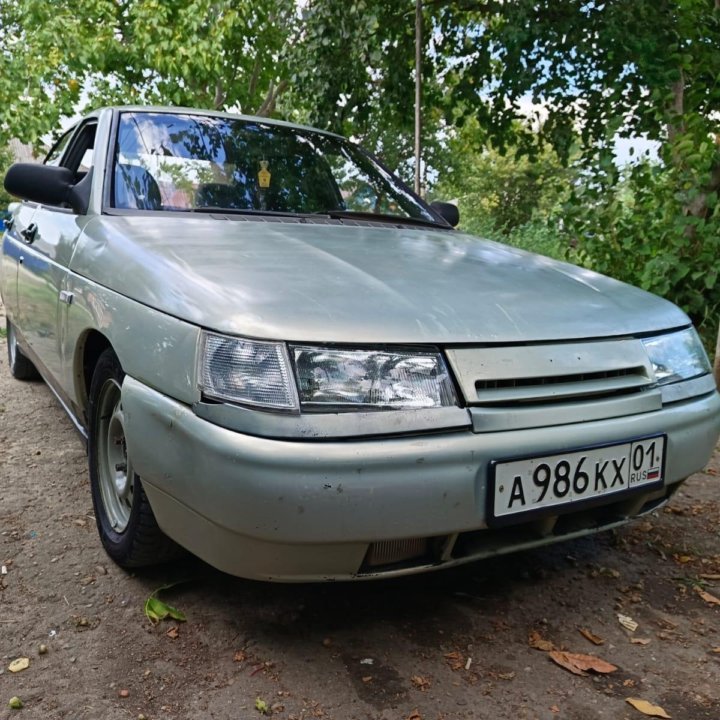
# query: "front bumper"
{"points": [[309, 510]]}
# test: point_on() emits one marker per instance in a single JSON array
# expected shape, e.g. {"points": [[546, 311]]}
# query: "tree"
{"points": [[57, 57]]}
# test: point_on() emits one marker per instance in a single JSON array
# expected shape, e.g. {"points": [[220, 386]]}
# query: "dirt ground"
{"points": [[443, 646]]}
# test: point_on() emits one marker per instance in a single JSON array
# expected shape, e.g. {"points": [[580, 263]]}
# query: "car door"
{"points": [[13, 247], [43, 264]]}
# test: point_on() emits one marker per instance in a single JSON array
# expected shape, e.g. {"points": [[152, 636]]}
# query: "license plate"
{"points": [[531, 484]]}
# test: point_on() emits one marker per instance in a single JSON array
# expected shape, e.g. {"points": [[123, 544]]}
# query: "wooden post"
{"points": [[418, 89]]}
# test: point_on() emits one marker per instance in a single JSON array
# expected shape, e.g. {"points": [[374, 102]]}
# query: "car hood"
{"points": [[357, 284]]}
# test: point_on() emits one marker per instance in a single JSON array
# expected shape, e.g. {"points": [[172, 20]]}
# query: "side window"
{"points": [[79, 157], [55, 154]]}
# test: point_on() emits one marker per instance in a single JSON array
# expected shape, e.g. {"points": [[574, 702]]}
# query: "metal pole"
{"points": [[418, 89], [716, 367]]}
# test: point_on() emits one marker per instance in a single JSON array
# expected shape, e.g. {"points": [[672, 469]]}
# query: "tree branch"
{"points": [[274, 92]]}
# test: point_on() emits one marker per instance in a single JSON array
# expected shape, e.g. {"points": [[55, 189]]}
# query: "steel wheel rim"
{"points": [[115, 473]]}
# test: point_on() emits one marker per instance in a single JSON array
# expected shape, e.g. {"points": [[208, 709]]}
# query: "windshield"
{"points": [[192, 162]]}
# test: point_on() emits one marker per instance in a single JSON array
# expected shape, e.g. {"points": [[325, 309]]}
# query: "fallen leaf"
{"points": [[554, 709], [414, 715], [707, 597], [535, 640], [628, 683], [367, 678], [647, 708], [455, 660], [709, 576], [592, 637], [420, 682], [505, 676], [20, 664], [578, 663], [239, 656], [262, 707], [716, 650], [156, 610], [627, 622], [640, 641], [682, 559], [173, 633]]}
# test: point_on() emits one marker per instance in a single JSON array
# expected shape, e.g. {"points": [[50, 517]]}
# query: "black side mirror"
{"points": [[447, 211], [45, 184]]}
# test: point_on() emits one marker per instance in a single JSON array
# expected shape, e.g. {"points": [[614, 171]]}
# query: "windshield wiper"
{"points": [[380, 217]]}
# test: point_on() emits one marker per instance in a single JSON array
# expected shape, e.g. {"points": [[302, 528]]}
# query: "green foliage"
{"points": [[498, 193], [5, 161], [205, 53], [639, 231]]}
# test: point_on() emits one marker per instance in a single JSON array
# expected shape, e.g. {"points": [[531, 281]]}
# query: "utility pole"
{"points": [[418, 90]]}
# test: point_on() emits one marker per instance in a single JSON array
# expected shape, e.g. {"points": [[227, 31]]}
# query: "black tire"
{"points": [[21, 368], [126, 523]]}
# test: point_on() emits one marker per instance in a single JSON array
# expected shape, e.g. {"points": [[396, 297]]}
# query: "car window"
{"points": [[192, 162], [55, 154], [79, 157]]}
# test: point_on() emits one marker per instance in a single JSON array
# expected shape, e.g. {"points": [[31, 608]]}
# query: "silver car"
{"points": [[287, 363]]}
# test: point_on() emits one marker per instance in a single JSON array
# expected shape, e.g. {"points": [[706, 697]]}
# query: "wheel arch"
{"points": [[90, 347]]}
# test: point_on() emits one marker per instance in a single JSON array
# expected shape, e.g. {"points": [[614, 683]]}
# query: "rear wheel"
{"points": [[128, 529], [21, 368]]}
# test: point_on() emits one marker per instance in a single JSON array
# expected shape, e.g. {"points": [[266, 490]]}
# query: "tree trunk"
{"points": [[716, 366]]}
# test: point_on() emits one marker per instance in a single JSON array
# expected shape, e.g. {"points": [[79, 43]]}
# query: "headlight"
{"points": [[247, 371], [677, 356], [371, 379]]}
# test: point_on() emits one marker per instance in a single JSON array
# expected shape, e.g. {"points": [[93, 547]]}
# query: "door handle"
{"points": [[29, 233]]}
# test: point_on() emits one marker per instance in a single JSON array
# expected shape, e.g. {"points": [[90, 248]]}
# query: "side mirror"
{"points": [[44, 184], [447, 211]]}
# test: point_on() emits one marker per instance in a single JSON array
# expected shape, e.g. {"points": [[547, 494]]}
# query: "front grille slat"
{"points": [[551, 373], [532, 390]]}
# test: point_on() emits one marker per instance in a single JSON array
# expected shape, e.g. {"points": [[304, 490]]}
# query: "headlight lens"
{"points": [[677, 356], [371, 379], [247, 371]]}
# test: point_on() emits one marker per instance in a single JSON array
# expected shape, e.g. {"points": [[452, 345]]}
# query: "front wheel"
{"points": [[128, 529], [21, 368]]}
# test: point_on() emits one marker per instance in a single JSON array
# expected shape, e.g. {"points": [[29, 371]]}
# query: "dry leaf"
{"points": [[647, 708], [709, 576], [682, 559], [535, 640], [594, 639], [628, 683], [640, 641], [554, 709], [707, 597], [627, 622], [420, 682], [716, 650], [455, 660], [414, 715], [367, 678], [505, 676], [19, 664], [173, 633], [578, 663], [239, 656]]}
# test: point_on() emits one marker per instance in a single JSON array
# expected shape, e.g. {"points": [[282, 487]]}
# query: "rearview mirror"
{"points": [[44, 184], [447, 212]]}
